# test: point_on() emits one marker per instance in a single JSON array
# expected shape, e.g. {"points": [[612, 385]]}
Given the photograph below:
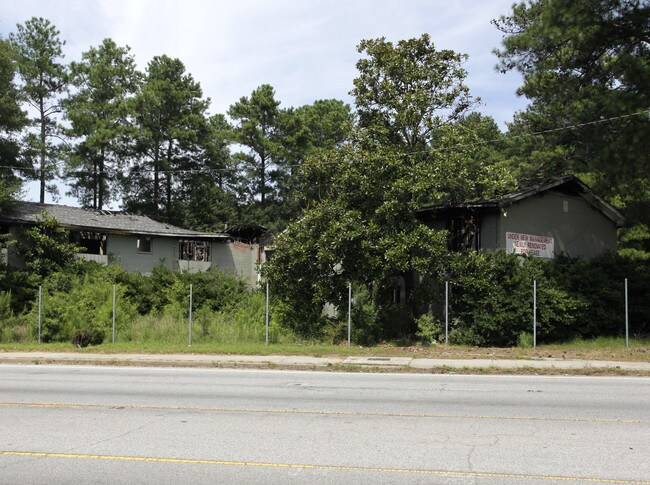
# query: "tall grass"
{"points": [[238, 324]]}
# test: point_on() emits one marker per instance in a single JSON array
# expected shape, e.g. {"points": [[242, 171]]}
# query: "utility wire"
{"points": [[110, 171]]}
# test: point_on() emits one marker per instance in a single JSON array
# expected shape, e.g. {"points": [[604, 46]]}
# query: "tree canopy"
{"points": [[406, 92], [412, 146], [170, 115], [12, 120], [101, 116], [39, 51], [586, 70]]}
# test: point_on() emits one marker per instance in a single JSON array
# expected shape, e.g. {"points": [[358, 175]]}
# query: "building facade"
{"points": [[136, 243], [561, 217]]}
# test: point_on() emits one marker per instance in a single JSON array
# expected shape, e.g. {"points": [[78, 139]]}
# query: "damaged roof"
{"points": [[569, 183], [76, 218]]}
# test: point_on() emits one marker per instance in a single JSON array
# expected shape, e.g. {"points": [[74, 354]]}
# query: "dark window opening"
{"points": [[144, 244], [190, 250], [91, 242], [392, 292], [397, 295], [464, 233]]}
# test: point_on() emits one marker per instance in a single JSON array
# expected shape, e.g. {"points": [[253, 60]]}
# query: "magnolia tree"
{"points": [[412, 146]]}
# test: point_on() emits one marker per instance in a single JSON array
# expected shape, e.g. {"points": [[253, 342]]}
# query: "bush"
{"points": [[212, 289], [367, 327], [430, 330], [79, 307], [491, 300], [22, 285], [599, 283]]}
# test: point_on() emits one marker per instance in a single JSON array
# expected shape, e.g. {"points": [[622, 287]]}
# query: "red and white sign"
{"points": [[540, 246]]}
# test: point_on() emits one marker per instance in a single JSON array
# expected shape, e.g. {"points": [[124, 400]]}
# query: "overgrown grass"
{"points": [[600, 349], [601, 343]]}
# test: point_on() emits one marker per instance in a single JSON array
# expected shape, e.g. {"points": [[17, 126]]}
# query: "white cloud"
{"points": [[305, 50]]}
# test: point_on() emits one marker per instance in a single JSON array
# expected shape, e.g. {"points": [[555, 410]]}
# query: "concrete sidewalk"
{"points": [[306, 362]]}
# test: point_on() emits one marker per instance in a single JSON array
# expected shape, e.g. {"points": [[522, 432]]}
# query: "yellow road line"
{"points": [[315, 411], [469, 474]]}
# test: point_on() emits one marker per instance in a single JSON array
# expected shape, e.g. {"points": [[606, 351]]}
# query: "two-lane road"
{"points": [[137, 425]]}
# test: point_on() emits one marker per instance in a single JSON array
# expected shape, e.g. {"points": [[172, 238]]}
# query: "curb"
{"points": [[353, 363]]}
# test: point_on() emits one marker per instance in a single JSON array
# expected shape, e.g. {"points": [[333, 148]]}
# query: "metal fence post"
{"points": [[446, 312], [534, 313], [114, 297], [627, 323], [40, 312], [349, 312], [190, 314], [266, 320]]}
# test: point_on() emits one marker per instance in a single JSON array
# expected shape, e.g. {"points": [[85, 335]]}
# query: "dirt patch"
{"points": [[632, 354]]}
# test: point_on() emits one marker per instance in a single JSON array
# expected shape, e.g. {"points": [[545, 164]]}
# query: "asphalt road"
{"points": [[135, 425]]}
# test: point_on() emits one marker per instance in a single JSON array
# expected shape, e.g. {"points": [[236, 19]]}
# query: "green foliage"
{"points": [[584, 63], [12, 120], [46, 248], [430, 329], [414, 146], [526, 340], [147, 292], [206, 198], [600, 283], [79, 307], [367, 328], [166, 291], [257, 129], [38, 50], [211, 289], [406, 92], [101, 115], [243, 321], [6, 310], [491, 300], [22, 285], [278, 141], [171, 123]]}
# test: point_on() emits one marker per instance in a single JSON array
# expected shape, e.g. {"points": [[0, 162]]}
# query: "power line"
{"points": [[334, 162]]}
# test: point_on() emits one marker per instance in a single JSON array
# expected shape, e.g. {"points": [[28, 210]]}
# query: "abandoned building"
{"points": [[137, 243], [560, 217]]}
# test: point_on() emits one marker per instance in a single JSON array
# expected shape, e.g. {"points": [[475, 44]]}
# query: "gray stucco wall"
{"points": [[582, 231], [12, 258], [122, 250], [489, 231], [237, 258]]}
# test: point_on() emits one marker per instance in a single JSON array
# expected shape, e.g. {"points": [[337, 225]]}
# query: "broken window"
{"points": [[91, 242], [144, 244], [464, 233], [191, 250]]}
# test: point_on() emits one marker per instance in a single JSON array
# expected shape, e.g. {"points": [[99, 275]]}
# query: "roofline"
{"points": [[604, 207], [74, 227]]}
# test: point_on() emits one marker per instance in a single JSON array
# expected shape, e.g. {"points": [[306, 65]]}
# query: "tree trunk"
{"points": [[94, 183], [42, 150], [262, 177], [156, 176], [169, 181], [100, 198]]}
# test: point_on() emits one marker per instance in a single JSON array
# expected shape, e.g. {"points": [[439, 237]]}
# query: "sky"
{"points": [[305, 49]]}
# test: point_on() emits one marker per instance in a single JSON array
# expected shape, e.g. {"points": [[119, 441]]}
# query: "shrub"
{"points": [[213, 289], [22, 285], [491, 300], [599, 283], [46, 249], [430, 329], [367, 326], [79, 307]]}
